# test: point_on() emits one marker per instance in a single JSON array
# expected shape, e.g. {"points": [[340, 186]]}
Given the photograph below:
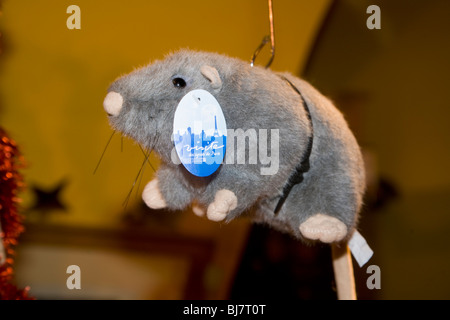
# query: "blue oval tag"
{"points": [[200, 133]]}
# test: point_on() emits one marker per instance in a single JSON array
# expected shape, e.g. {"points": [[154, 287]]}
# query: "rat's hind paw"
{"points": [[224, 202], [152, 196], [323, 228]]}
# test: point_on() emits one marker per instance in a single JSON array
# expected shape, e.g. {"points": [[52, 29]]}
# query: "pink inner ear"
{"points": [[212, 75]]}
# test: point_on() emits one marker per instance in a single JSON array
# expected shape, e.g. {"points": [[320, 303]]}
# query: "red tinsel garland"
{"points": [[11, 226]]}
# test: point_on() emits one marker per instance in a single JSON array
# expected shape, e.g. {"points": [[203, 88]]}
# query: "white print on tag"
{"points": [[360, 249]]}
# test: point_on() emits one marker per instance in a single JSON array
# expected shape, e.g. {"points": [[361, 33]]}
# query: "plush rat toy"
{"points": [[314, 185]]}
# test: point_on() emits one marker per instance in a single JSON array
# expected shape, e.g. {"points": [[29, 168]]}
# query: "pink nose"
{"points": [[113, 103]]}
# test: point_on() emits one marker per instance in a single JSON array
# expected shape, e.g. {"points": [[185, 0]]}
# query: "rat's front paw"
{"points": [[323, 228], [152, 196], [224, 202], [198, 210]]}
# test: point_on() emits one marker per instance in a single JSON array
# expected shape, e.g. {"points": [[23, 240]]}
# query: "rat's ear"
{"points": [[212, 75]]}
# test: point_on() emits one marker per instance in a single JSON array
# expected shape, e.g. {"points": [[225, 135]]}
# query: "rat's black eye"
{"points": [[179, 82]]}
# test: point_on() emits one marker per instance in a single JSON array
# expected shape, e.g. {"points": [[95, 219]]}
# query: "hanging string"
{"points": [[269, 38]]}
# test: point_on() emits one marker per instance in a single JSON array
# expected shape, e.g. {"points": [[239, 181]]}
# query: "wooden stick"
{"points": [[343, 271]]}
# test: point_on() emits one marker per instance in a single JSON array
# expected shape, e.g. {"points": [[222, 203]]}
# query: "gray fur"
{"points": [[250, 97]]}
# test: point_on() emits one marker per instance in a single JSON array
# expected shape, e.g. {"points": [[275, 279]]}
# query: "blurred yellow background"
{"points": [[53, 80], [391, 84]]}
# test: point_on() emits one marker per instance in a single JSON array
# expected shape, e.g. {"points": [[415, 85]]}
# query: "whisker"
{"points": [[103, 153], [147, 155], [141, 175], [149, 159], [157, 133], [127, 199]]}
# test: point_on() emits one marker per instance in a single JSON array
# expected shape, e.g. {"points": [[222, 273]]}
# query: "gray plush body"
{"points": [[251, 98]]}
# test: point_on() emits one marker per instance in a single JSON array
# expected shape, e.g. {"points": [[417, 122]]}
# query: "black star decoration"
{"points": [[48, 199]]}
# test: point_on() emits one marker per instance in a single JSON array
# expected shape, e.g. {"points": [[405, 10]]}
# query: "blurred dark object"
{"points": [[48, 200], [386, 192], [141, 216], [275, 266]]}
